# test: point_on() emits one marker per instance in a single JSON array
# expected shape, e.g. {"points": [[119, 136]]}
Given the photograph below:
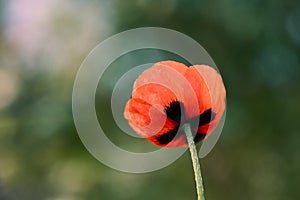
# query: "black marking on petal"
{"points": [[167, 137], [206, 117], [199, 137], [173, 111]]}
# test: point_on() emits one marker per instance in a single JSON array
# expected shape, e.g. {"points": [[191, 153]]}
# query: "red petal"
{"points": [[146, 119], [200, 90], [154, 94], [217, 92], [168, 74], [161, 72]]}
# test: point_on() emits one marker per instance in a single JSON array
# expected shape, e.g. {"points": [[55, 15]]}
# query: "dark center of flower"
{"points": [[175, 111]]}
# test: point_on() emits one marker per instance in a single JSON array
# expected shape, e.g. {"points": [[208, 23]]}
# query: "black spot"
{"points": [[167, 137], [198, 137], [173, 111], [206, 117]]}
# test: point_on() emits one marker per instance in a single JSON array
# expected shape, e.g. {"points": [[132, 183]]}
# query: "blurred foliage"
{"points": [[254, 43]]}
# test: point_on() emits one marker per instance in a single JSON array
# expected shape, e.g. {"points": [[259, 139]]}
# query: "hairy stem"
{"points": [[195, 161]]}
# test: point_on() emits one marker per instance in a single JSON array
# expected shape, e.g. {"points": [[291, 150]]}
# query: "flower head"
{"points": [[169, 95]]}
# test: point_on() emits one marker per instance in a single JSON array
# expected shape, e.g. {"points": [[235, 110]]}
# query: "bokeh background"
{"points": [[255, 44]]}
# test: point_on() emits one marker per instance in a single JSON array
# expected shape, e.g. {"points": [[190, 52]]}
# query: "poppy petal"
{"points": [[146, 119], [217, 93], [201, 91], [161, 72], [154, 94], [168, 74]]}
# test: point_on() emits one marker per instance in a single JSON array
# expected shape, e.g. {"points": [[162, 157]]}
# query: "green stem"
{"points": [[195, 161]]}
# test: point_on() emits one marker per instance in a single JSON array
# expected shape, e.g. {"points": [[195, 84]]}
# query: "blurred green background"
{"points": [[255, 44]]}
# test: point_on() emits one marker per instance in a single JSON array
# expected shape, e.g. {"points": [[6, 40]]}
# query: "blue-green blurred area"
{"points": [[255, 44]]}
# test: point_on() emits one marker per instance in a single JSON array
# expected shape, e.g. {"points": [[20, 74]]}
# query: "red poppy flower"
{"points": [[170, 94]]}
